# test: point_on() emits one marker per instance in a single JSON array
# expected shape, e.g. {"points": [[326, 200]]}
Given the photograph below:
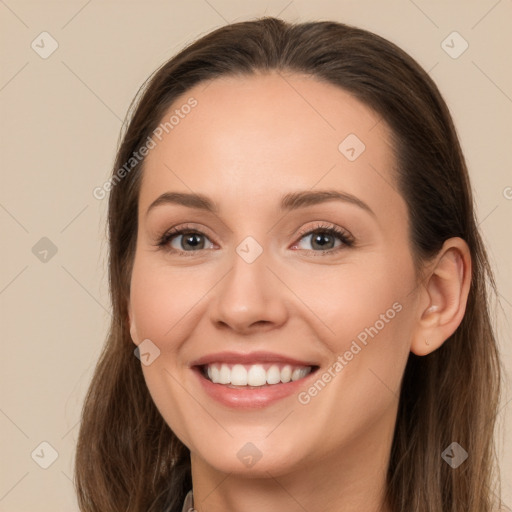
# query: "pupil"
{"points": [[192, 240], [321, 238]]}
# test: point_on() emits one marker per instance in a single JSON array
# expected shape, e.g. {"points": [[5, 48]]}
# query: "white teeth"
{"points": [[299, 373], [254, 375], [238, 375], [225, 374], [273, 375], [213, 373], [286, 374]]}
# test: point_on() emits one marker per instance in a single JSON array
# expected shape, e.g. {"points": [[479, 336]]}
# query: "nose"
{"points": [[250, 298]]}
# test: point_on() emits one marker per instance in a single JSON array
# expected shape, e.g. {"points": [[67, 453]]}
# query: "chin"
{"points": [[253, 459]]}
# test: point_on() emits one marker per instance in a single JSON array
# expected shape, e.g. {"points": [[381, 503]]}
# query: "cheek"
{"points": [[361, 300], [163, 302], [163, 306], [369, 311]]}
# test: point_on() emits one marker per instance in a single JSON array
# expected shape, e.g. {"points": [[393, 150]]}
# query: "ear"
{"points": [[443, 297]]}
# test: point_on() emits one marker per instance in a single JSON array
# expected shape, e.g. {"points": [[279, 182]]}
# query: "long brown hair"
{"points": [[128, 459]]}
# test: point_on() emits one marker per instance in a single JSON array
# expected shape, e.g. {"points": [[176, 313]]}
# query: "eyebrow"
{"points": [[289, 202]]}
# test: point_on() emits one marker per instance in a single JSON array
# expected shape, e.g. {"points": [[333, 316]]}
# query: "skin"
{"points": [[248, 142]]}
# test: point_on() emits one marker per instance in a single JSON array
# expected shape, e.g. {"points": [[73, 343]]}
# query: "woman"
{"points": [[295, 257]]}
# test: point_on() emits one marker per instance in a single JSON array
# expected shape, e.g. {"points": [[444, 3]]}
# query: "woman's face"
{"points": [[259, 290]]}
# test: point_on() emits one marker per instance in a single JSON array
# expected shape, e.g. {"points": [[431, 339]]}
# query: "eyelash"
{"points": [[346, 239]]}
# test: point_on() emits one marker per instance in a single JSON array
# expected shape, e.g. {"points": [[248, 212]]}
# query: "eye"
{"points": [[325, 239], [184, 240]]}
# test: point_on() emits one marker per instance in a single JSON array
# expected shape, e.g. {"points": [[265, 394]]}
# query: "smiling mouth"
{"points": [[254, 376]]}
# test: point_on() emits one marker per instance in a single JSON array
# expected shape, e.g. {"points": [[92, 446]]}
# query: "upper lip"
{"points": [[249, 358]]}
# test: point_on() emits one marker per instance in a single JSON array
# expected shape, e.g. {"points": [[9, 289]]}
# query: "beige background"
{"points": [[60, 120]]}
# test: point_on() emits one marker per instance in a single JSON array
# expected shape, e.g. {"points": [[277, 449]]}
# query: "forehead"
{"points": [[250, 135]]}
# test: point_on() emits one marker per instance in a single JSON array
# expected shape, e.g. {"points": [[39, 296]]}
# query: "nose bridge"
{"points": [[249, 294]]}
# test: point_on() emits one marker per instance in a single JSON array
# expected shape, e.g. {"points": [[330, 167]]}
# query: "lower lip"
{"points": [[250, 398]]}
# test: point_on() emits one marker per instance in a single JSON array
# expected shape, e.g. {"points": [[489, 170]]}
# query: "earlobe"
{"points": [[445, 294]]}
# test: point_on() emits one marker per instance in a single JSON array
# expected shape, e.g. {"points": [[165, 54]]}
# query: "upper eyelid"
{"points": [[324, 226]]}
